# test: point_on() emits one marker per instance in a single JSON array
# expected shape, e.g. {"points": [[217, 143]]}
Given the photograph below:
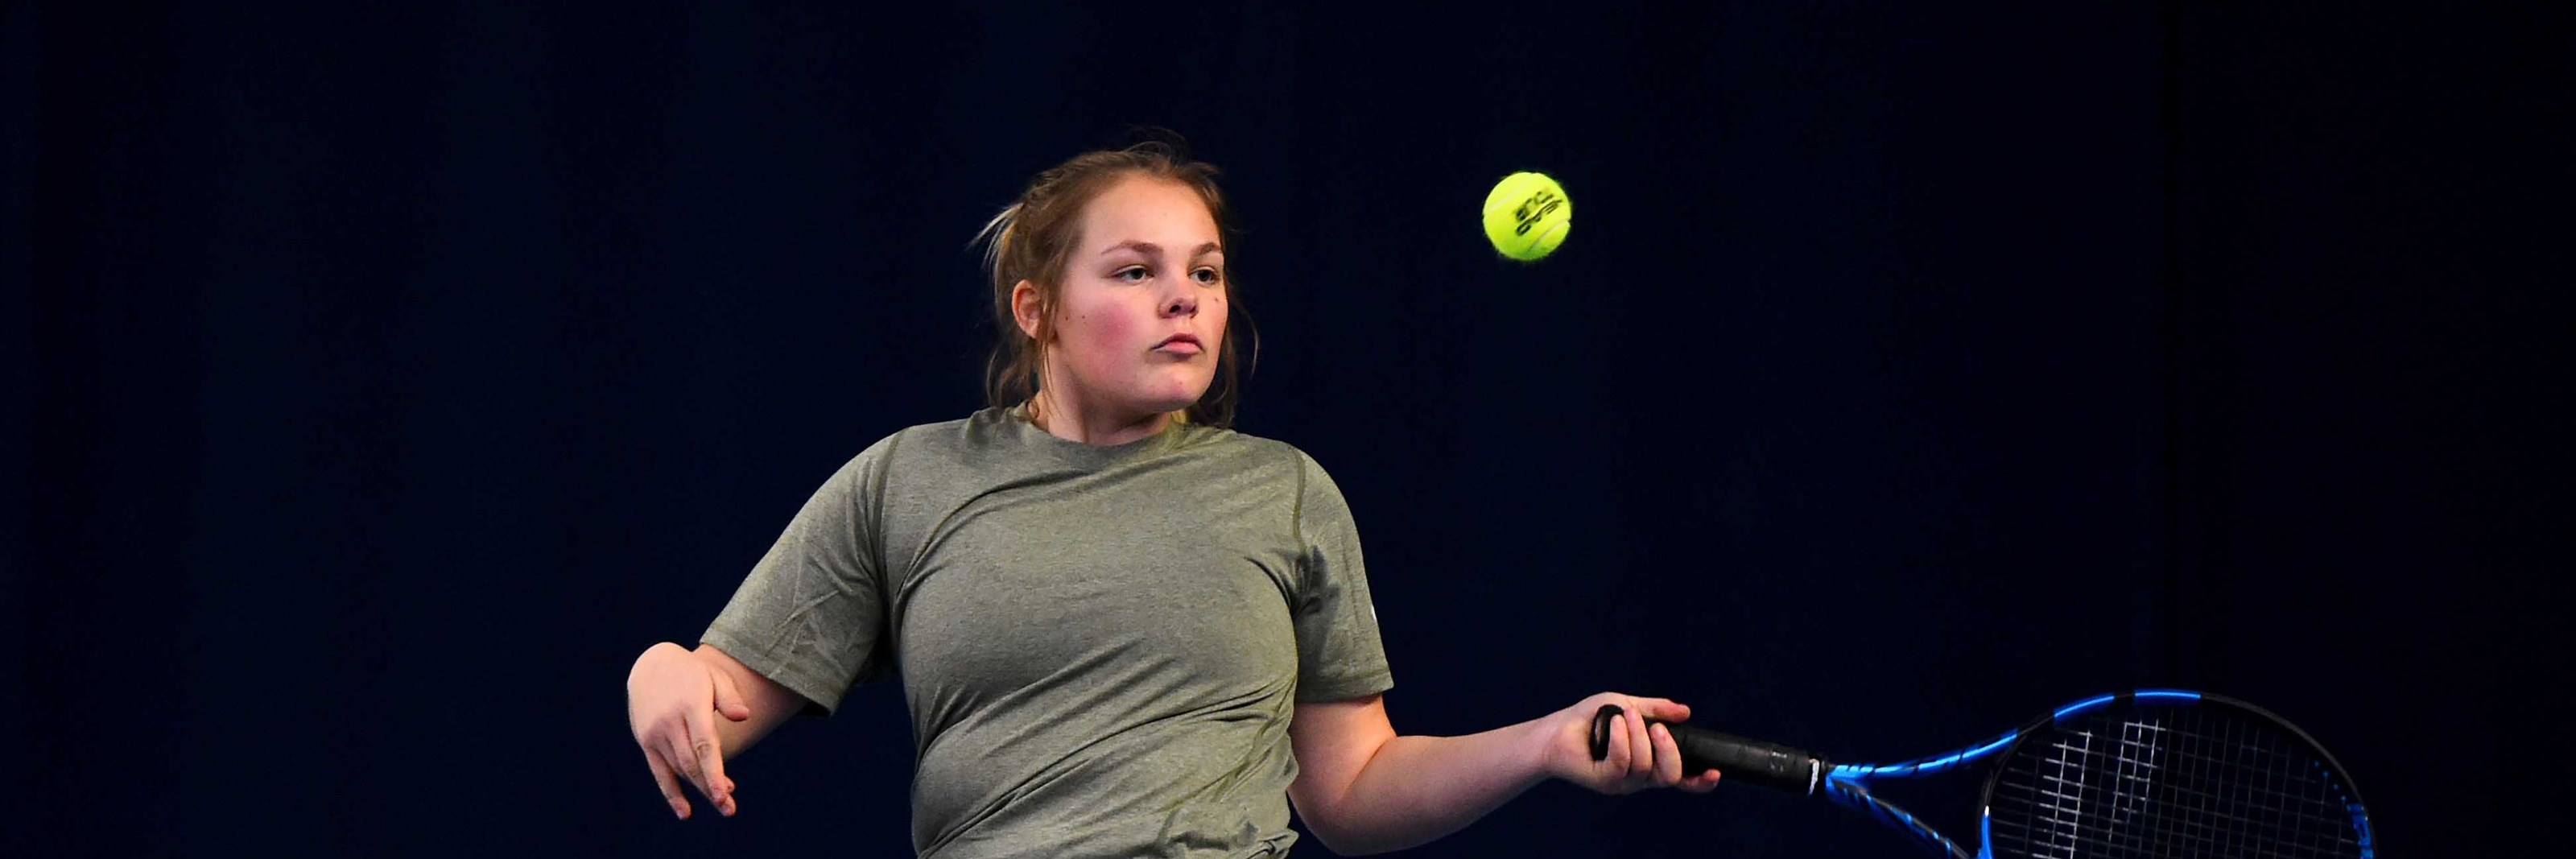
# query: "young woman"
{"points": [[1122, 628]]}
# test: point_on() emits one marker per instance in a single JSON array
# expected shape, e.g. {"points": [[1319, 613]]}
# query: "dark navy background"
{"points": [[384, 380]]}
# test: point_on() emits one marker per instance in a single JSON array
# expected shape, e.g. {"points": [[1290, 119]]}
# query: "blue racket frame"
{"points": [[1848, 784]]}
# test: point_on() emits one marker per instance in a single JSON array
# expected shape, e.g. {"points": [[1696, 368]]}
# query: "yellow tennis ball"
{"points": [[1526, 216]]}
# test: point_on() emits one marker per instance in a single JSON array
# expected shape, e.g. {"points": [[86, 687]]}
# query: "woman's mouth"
{"points": [[1180, 344]]}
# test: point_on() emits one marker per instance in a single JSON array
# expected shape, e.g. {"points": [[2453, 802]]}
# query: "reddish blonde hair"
{"points": [[1033, 240]]}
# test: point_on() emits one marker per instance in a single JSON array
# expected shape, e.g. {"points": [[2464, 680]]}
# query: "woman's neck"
{"points": [[1067, 418]]}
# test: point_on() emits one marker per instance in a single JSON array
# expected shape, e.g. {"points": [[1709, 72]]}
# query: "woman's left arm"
{"points": [[1362, 789]]}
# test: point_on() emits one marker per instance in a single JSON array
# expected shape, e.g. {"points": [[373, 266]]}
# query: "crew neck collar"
{"points": [[1015, 424]]}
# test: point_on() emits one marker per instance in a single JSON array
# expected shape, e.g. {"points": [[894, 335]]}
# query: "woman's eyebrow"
{"points": [[1154, 250]]}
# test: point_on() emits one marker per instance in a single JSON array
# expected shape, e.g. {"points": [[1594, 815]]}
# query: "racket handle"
{"points": [[1777, 767]]}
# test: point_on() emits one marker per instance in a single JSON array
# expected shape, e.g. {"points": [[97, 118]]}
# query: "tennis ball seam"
{"points": [[1527, 216]]}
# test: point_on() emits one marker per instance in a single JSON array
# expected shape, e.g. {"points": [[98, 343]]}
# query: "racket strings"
{"points": [[2174, 783]]}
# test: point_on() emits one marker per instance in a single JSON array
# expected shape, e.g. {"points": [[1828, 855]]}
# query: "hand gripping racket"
{"points": [[2152, 773]]}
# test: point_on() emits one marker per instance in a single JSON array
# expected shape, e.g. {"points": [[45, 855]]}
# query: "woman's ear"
{"points": [[1029, 308]]}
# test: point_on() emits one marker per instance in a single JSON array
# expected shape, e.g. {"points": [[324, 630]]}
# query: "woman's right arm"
{"points": [[692, 709]]}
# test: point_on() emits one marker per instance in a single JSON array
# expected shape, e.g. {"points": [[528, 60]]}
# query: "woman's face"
{"points": [[1141, 316]]}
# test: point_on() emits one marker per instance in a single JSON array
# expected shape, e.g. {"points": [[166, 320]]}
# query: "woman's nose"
{"points": [[1183, 304]]}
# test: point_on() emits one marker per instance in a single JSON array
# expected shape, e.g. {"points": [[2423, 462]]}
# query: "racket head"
{"points": [[2170, 773]]}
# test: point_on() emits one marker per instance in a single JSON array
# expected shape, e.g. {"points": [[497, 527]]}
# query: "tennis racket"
{"points": [[2152, 773]]}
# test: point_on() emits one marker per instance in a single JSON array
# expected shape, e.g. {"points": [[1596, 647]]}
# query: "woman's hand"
{"points": [[1640, 757], [672, 698]]}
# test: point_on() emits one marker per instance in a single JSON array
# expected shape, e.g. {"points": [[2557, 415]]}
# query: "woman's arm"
{"points": [[1362, 789]]}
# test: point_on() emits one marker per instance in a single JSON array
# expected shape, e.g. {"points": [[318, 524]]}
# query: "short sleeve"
{"points": [[1339, 656], [812, 614]]}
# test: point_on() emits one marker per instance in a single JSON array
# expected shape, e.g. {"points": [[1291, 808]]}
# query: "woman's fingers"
{"points": [[685, 761], [729, 699], [1668, 758], [1668, 754], [1641, 744], [675, 750], [1700, 783], [1614, 750], [690, 761], [670, 785], [710, 763]]}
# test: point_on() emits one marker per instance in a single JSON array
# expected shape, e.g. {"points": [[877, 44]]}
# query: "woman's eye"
{"points": [[1131, 275], [1207, 276]]}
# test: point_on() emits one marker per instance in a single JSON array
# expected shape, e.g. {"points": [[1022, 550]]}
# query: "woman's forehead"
{"points": [[1162, 213]]}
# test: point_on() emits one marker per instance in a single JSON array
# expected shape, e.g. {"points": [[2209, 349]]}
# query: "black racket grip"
{"points": [[1737, 759]]}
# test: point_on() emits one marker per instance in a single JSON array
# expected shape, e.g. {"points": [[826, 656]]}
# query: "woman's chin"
{"points": [[1170, 392]]}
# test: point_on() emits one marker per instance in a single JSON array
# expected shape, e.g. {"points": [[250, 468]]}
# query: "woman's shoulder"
{"points": [[935, 439], [1235, 442], [1282, 460], [1316, 497], [979, 427]]}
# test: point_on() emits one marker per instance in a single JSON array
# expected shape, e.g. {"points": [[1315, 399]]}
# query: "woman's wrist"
{"points": [[1537, 744]]}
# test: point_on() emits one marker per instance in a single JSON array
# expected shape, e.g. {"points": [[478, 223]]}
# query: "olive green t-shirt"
{"points": [[1101, 646]]}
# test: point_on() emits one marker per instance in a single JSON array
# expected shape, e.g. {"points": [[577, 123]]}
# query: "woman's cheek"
{"points": [[1111, 330], [1216, 325], [1102, 335]]}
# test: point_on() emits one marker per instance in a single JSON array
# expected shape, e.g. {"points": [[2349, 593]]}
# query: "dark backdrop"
{"points": [[384, 380]]}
